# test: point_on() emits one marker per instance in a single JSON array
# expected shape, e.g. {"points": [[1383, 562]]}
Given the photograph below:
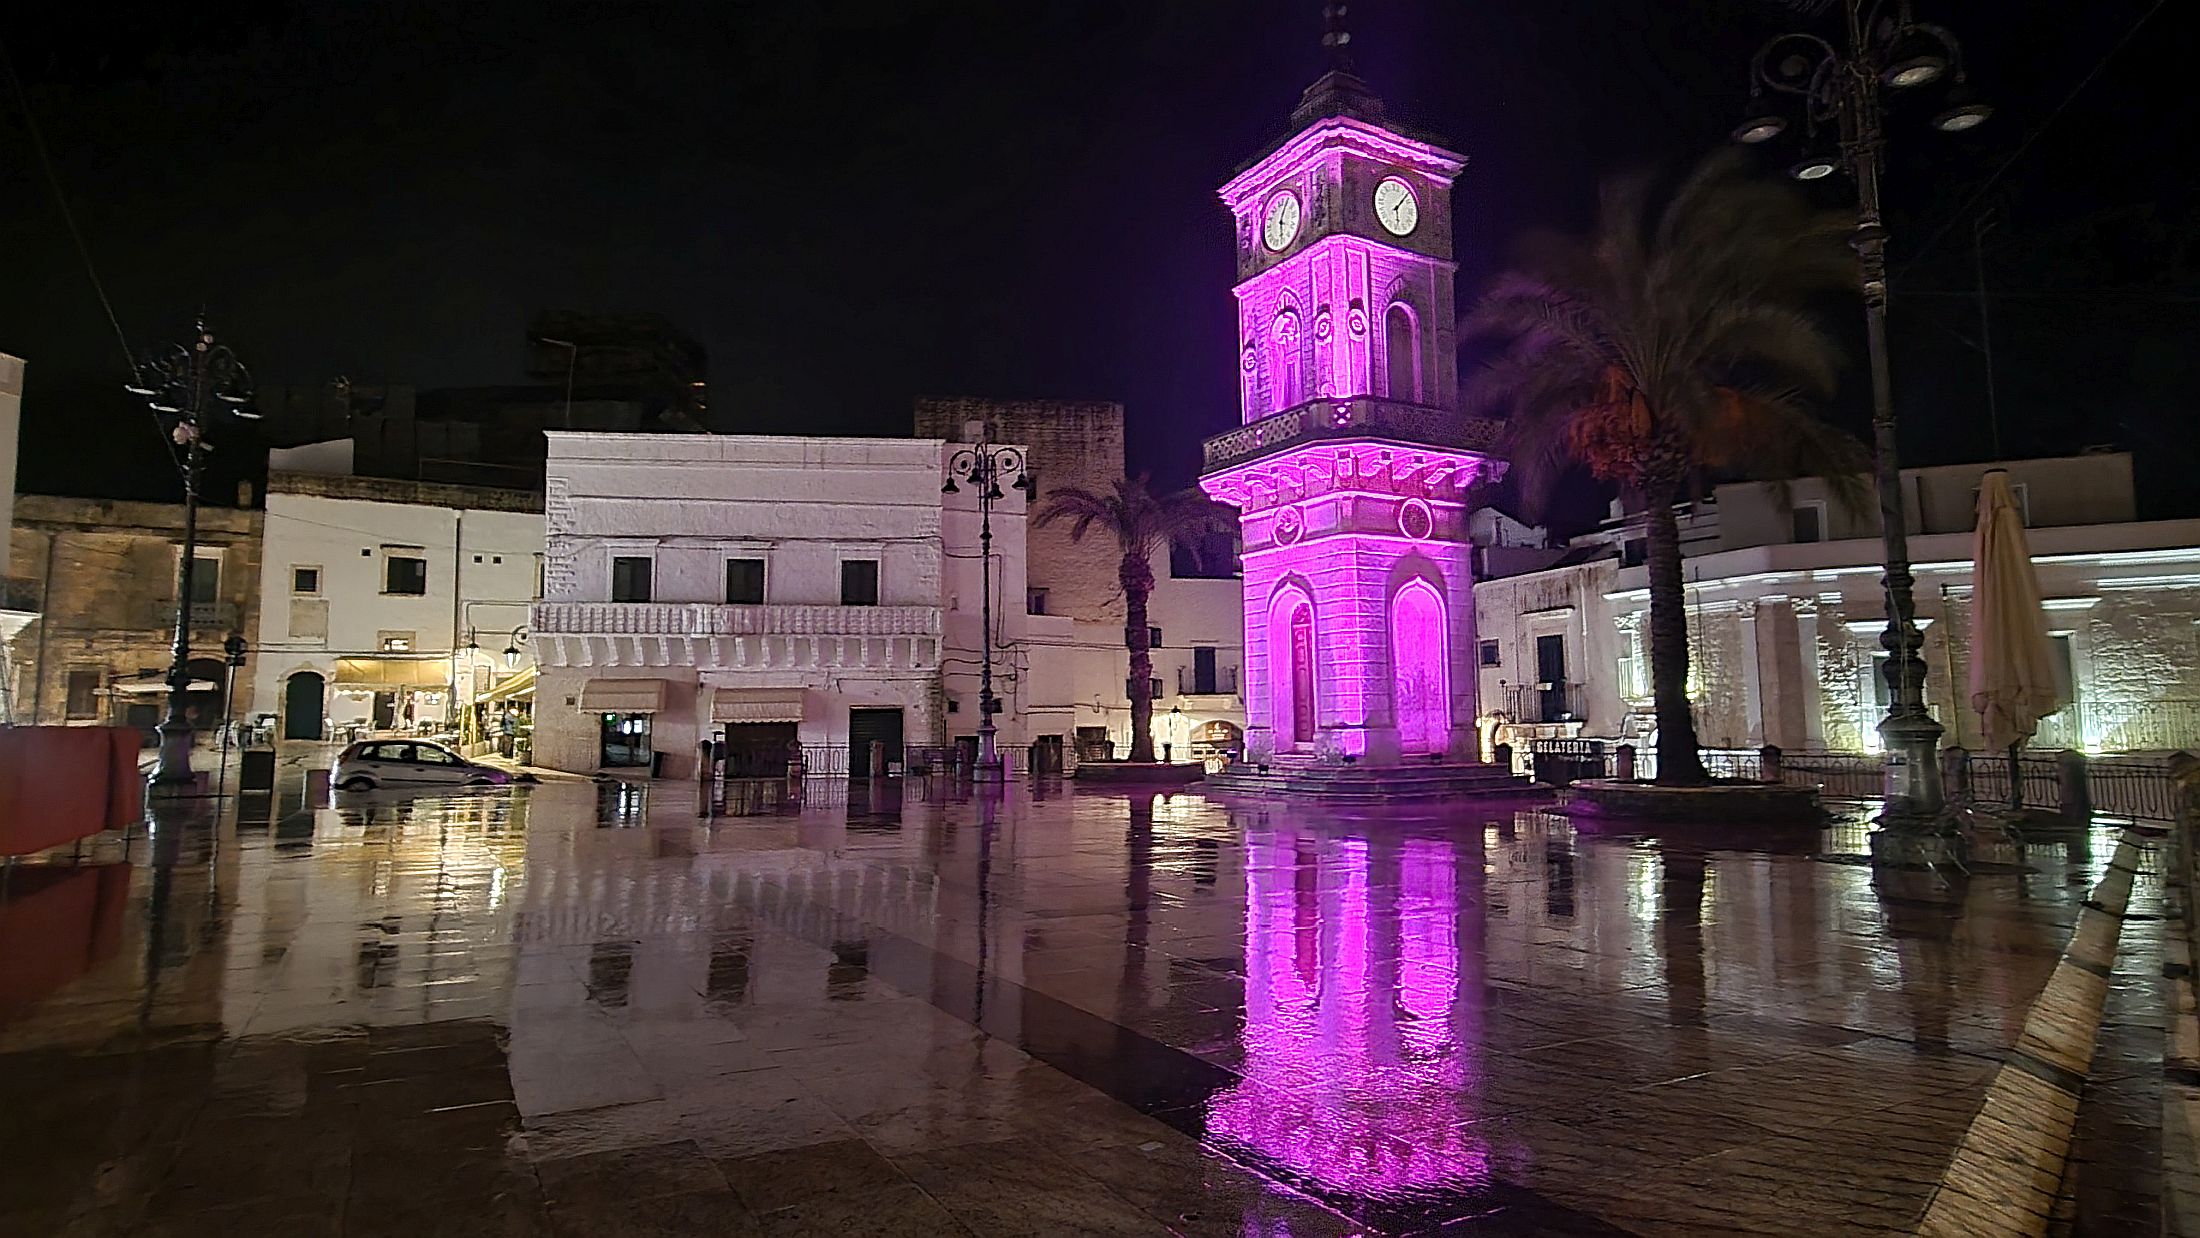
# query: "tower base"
{"points": [[1369, 784]]}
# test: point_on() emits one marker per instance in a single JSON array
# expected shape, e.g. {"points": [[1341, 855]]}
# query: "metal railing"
{"points": [[2140, 788], [1223, 682], [825, 761], [1545, 702], [159, 614], [1360, 417]]}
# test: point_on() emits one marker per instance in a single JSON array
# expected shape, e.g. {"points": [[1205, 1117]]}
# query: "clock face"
{"points": [[1281, 222], [1395, 206]]}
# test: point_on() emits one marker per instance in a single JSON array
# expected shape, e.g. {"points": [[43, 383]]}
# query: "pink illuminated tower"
{"points": [[1353, 464]]}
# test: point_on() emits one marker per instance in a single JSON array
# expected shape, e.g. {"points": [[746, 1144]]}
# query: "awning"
{"points": [[158, 687], [517, 684], [756, 705], [393, 672], [623, 696]]}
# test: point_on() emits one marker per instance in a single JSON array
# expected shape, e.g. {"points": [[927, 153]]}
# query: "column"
{"points": [[1806, 639], [1753, 690]]}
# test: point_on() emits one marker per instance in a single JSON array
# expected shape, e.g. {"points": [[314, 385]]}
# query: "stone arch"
{"points": [[1288, 344], [1294, 680], [1420, 663], [1401, 369]]}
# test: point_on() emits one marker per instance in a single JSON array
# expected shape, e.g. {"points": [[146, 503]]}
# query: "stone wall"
{"points": [[1070, 443], [105, 574]]}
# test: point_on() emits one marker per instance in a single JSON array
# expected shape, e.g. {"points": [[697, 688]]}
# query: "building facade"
{"points": [[761, 590], [1074, 648], [103, 574], [1785, 613], [1353, 464], [386, 605], [18, 605]]}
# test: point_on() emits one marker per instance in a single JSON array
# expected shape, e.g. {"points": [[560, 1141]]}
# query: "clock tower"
{"points": [[1353, 463]]}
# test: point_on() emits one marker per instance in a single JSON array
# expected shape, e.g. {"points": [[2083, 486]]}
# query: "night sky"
{"points": [[853, 203]]}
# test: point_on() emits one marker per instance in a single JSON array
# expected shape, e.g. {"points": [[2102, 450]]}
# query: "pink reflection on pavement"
{"points": [[1357, 1026]]}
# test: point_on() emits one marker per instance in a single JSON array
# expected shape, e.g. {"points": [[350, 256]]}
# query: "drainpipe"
{"points": [[458, 614], [45, 621]]}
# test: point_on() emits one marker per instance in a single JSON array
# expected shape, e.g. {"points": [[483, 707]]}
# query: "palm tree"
{"points": [[1141, 523], [1672, 344]]}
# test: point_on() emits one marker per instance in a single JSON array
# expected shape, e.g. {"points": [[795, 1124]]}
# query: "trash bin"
{"points": [[256, 770]]}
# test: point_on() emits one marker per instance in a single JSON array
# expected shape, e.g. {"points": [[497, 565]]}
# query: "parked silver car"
{"points": [[374, 763]]}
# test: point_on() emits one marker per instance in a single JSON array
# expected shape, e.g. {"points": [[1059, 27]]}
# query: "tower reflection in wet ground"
{"points": [[567, 1011]]}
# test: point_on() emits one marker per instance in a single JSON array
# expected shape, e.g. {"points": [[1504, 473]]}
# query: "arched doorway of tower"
{"points": [[305, 698], [1291, 663], [1421, 688]]}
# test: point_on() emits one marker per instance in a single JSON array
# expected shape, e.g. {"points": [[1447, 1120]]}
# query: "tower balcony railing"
{"points": [[1358, 417]]}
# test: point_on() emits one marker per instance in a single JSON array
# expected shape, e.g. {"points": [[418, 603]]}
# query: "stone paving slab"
{"points": [[561, 1010]]}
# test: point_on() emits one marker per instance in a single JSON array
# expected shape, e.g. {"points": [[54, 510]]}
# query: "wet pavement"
{"points": [[576, 1010]]}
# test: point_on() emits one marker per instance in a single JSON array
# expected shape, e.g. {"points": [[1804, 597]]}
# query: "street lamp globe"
{"points": [[1961, 114], [1916, 71], [1760, 127], [1813, 167]]}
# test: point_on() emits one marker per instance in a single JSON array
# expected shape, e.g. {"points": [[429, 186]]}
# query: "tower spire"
{"points": [[1335, 37], [1338, 92]]}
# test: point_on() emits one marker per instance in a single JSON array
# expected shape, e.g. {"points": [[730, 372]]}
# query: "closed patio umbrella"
{"points": [[2014, 681]]}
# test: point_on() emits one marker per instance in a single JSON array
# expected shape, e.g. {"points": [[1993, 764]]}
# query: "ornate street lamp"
{"points": [[188, 386], [986, 466], [1838, 93]]}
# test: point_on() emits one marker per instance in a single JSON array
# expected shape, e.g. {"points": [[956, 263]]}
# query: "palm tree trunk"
{"points": [[1137, 587], [1678, 759]]}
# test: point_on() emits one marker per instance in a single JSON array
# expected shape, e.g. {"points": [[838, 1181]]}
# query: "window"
{"points": [[394, 642], [1035, 601], [538, 576], [630, 578], [206, 577], [859, 582], [404, 573], [1491, 654], [433, 756], [1290, 384], [83, 695], [305, 580], [1153, 693], [1401, 368], [1153, 637], [744, 582], [1810, 522]]}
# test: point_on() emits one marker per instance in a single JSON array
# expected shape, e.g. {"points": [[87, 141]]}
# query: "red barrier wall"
{"points": [[62, 783]]}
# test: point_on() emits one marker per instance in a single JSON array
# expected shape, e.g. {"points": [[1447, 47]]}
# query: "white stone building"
{"points": [[387, 605], [1785, 612], [761, 589]]}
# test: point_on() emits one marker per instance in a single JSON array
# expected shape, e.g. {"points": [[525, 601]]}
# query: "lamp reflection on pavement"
{"points": [[570, 1008]]}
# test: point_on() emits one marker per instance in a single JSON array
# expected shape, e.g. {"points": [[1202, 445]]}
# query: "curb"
{"points": [[2007, 1172]]}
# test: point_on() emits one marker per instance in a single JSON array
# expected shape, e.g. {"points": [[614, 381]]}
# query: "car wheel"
{"points": [[360, 783], [481, 782]]}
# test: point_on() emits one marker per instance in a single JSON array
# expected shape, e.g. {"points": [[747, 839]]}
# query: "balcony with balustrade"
{"points": [[1221, 684], [766, 637], [1363, 417]]}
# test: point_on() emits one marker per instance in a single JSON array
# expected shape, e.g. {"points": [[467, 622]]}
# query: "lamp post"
{"points": [[1841, 109], [986, 466], [233, 651], [187, 386]]}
